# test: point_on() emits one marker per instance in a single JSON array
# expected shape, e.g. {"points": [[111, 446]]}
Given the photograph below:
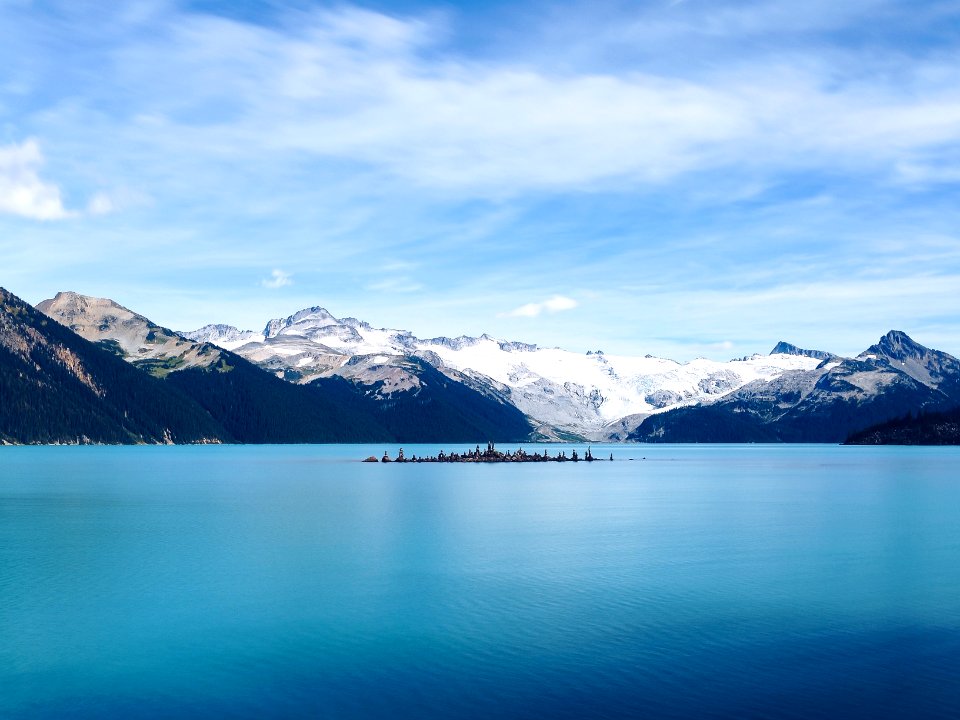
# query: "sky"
{"points": [[676, 177]]}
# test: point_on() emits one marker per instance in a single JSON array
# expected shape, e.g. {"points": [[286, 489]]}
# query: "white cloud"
{"points": [[557, 303], [22, 192], [384, 93], [277, 279], [342, 138], [100, 204], [357, 85]]}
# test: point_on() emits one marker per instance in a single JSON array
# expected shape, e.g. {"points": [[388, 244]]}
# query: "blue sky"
{"points": [[678, 177]]}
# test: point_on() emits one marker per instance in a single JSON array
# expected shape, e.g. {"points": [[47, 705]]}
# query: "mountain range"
{"points": [[256, 406], [565, 394], [83, 369], [825, 404]]}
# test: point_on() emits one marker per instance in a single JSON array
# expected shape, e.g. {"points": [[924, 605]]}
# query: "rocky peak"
{"points": [[457, 343], [95, 318], [931, 367], [785, 348], [897, 345], [314, 317], [355, 323], [513, 346], [156, 349], [68, 307], [218, 333]]}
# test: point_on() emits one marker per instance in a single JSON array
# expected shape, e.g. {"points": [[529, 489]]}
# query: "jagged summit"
{"points": [[897, 345], [214, 333], [226, 336], [931, 367], [314, 317], [785, 348]]}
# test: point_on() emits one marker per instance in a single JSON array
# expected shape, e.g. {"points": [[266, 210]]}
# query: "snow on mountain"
{"points": [[785, 348], [225, 336], [587, 392], [825, 404], [930, 367], [579, 393]]}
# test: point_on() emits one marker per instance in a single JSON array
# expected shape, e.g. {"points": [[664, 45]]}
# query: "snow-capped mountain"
{"points": [[346, 380], [826, 404], [587, 394], [225, 336]]}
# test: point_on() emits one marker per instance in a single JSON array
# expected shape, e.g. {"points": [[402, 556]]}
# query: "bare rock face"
{"points": [[128, 334], [719, 383], [785, 348], [662, 398], [221, 335], [930, 367]]}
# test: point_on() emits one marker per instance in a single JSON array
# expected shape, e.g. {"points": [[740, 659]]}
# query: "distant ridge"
{"points": [[785, 348], [311, 377], [839, 397]]}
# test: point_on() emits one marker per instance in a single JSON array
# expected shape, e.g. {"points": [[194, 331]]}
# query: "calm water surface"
{"points": [[702, 581]]}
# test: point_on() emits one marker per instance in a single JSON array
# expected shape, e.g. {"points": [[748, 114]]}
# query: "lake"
{"points": [[689, 582]]}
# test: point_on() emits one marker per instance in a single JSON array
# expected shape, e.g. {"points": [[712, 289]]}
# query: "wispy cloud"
{"points": [[709, 153], [557, 303], [357, 85], [100, 204], [402, 284], [22, 191], [277, 279]]}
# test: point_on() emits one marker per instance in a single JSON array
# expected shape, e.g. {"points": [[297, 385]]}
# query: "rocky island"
{"points": [[490, 455]]}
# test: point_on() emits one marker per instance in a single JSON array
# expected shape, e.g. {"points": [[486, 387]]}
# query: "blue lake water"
{"points": [[699, 582]]}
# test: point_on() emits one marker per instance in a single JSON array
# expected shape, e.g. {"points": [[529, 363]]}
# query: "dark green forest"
{"points": [[56, 387], [925, 428]]}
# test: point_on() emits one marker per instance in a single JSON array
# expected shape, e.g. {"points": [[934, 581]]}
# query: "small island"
{"points": [[490, 455]]}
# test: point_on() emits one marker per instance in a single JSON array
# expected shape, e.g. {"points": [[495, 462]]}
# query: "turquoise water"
{"points": [[701, 581]]}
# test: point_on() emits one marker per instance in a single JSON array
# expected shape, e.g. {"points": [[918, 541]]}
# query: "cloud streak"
{"points": [[359, 86], [558, 303]]}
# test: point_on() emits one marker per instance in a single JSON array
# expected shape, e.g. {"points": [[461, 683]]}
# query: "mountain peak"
{"points": [[785, 348], [60, 388], [156, 349], [314, 316], [897, 345], [68, 304], [219, 334]]}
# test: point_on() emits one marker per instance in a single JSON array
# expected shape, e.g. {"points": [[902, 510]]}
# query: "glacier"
{"points": [[593, 395]]}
